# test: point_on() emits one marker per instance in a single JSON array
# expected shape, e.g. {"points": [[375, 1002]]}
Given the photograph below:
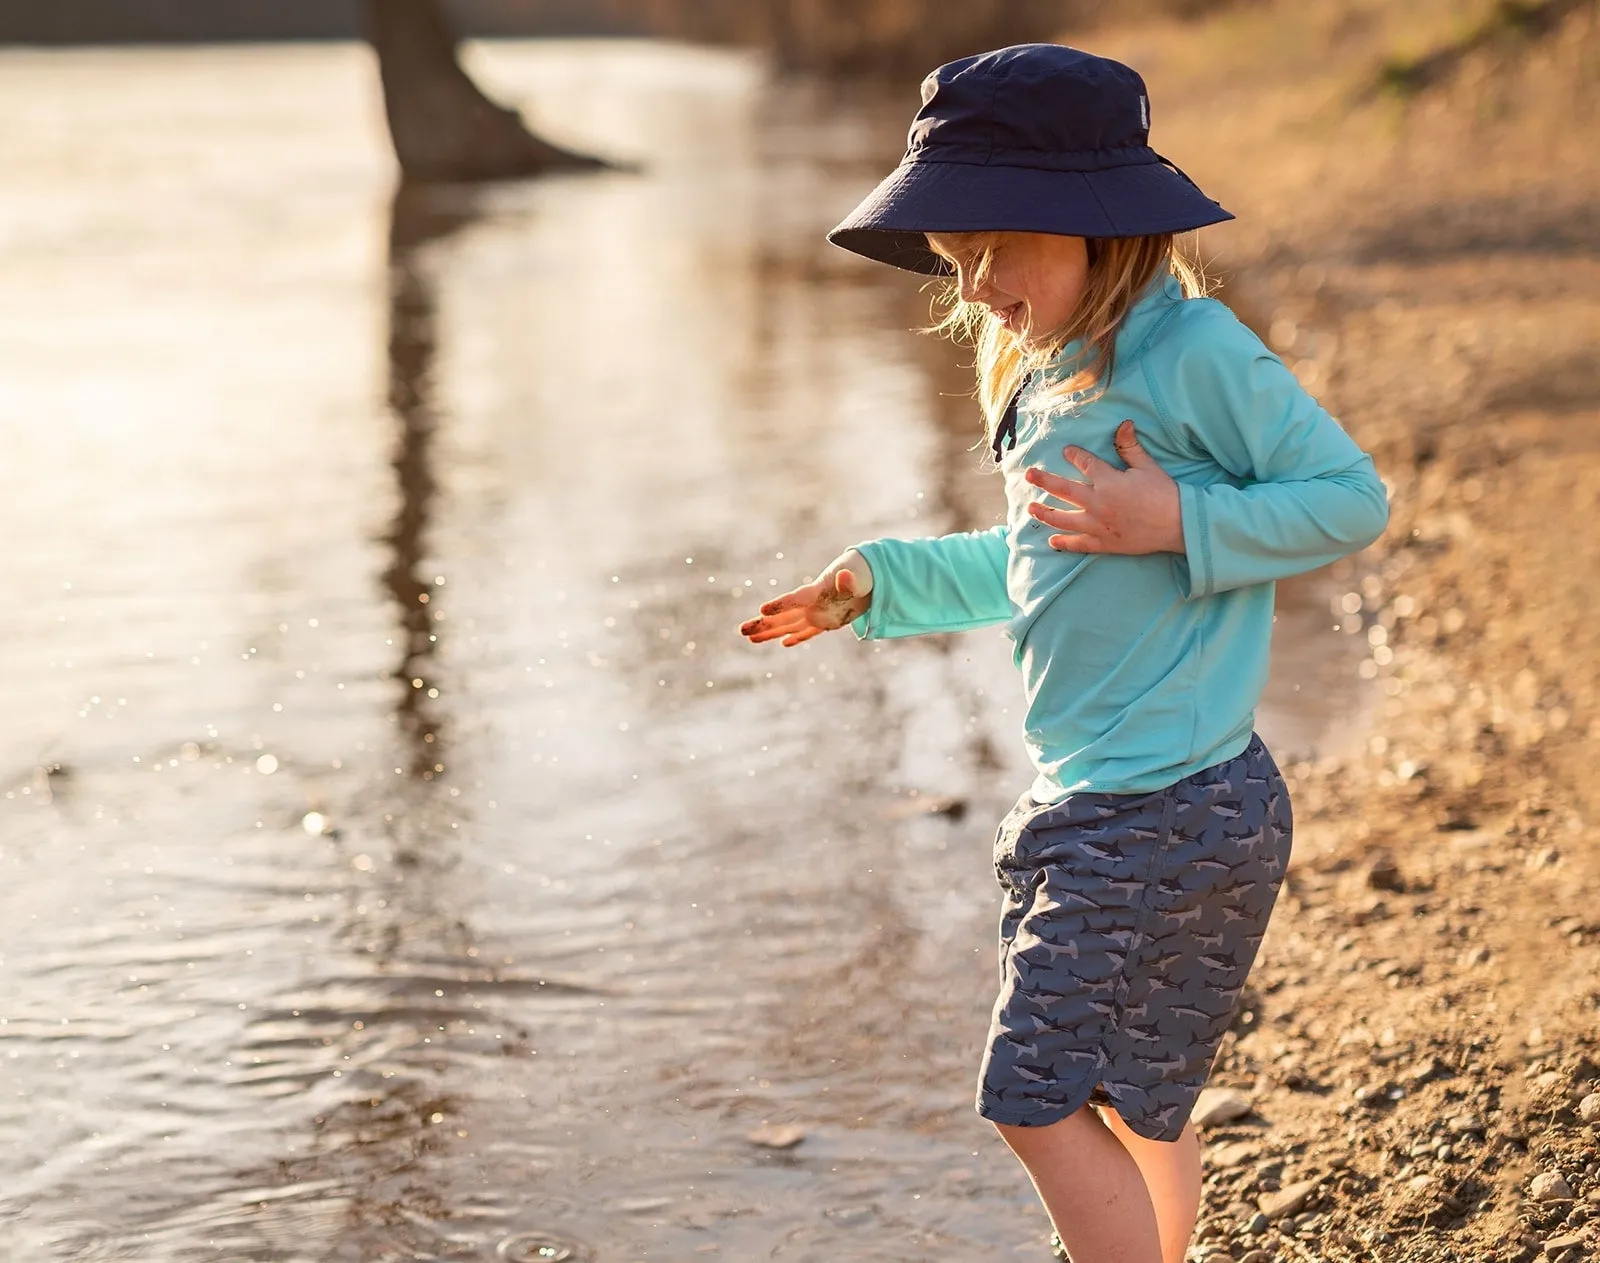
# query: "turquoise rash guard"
{"points": [[1139, 671]]}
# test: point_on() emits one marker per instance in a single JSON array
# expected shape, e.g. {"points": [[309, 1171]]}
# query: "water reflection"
{"points": [[419, 215]]}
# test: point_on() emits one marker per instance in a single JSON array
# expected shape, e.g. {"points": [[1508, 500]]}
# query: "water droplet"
{"points": [[314, 823], [543, 1247], [267, 764]]}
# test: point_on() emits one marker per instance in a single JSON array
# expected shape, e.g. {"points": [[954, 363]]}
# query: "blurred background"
{"points": [[403, 856]]}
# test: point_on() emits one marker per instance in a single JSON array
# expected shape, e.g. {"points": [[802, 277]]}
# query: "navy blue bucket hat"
{"points": [[1031, 138]]}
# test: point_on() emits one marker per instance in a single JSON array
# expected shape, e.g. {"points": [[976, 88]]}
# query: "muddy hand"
{"points": [[831, 602], [1131, 511]]}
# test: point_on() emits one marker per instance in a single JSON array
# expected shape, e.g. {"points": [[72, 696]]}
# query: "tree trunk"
{"points": [[444, 129]]}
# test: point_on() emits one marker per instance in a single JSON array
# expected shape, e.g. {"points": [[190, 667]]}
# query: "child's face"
{"points": [[1033, 281]]}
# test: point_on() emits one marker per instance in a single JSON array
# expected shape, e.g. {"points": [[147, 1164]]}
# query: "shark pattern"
{"points": [[1128, 928]]}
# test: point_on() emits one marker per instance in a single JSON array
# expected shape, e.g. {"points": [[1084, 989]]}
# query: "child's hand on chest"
{"points": [[1121, 503]]}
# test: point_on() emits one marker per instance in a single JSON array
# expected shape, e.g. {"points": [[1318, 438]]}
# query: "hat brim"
{"points": [[918, 197]]}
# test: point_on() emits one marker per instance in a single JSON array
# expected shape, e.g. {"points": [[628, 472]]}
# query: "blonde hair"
{"points": [[1119, 270]]}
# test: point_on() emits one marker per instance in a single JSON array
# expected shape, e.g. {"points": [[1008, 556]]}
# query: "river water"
{"points": [[400, 852]]}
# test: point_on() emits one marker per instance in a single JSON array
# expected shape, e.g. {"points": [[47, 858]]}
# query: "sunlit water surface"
{"points": [[399, 850]]}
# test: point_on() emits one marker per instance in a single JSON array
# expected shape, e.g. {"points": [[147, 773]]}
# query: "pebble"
{"points": [[1231, 1154], [777, 1135], [1287, 1200], [1255, 1225], [1369, 910], [1589, 1108], [1556, 1245], [1256, 1256], [1426, 1069], [1384, 874], [1220, 1105], [1465, 1124], [1550, 1186]]}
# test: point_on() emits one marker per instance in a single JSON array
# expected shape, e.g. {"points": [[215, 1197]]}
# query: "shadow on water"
{"points": [[419, 216]]}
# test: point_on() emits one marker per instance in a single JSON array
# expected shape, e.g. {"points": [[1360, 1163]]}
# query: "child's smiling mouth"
{"points": [[1011, 317]]}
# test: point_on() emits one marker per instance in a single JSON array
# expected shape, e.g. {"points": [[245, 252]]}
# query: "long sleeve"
{"points": [[1302, 493], [945, 583]]}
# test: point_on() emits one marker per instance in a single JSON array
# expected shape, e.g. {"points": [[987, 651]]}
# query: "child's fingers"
{"points": [[767, 633], [845, 583], [1077, 544], [1131, 449], [1075, 520], [800, 637], [770, 625], [1068, 489], [1088, 464], [796, 599]]}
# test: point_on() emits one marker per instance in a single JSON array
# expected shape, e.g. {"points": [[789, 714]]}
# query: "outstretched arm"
{"points": [[896, 587], [942, 583]]}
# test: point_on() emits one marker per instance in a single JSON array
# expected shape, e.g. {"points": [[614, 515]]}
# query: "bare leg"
{"points": [[1092, 1188], [1171, 1171]]}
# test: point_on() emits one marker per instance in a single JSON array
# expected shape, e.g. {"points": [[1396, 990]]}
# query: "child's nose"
{"points": [[970, 287]]}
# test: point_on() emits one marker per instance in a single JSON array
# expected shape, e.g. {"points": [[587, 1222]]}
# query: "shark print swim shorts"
{"points": [[1129, 926]]}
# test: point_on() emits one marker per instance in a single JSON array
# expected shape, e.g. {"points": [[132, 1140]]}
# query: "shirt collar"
{"points": [[1153, 302]]}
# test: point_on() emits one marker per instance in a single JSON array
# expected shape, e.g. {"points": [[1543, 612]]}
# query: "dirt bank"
{"points": [[1426, 1023]]}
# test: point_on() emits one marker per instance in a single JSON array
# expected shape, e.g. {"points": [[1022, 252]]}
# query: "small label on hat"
{"points": [[1144, 111]]}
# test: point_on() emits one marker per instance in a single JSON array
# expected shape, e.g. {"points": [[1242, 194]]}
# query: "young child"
{"points": [[1161, 469]]}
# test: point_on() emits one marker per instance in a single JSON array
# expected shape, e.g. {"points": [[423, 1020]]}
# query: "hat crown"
{"points": [[1031, 138], [1042, 105]]}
